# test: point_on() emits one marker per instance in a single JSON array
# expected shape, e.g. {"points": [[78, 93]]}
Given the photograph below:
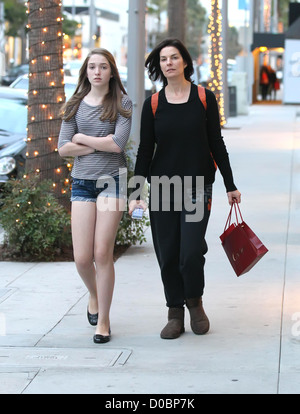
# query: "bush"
{"points": [[131, 232], [36, 226]]}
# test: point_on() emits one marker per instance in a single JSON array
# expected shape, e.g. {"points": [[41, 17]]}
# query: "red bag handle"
{"points": [[236, 206]]}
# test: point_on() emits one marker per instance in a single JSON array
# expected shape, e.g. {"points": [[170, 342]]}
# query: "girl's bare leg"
{"points": [[107, 223], [83, 232]]}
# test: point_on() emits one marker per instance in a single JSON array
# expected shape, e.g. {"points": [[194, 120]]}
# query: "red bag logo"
{"points": [[236, 256]]}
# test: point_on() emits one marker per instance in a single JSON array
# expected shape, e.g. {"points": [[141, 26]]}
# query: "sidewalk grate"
{"points": [[5, 293], [32, 357]]}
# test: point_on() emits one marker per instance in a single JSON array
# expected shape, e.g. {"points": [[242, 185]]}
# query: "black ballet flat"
{"points": [[92, 318], [101, 339]]}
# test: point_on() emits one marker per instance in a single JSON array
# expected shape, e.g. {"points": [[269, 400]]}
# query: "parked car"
{"points": [[72, 68], [14, 73], [13, 134], [12, 160], [22, 82]]}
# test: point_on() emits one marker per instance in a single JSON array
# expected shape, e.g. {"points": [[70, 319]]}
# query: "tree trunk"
{"points": [[177, 19], [46, 93]]}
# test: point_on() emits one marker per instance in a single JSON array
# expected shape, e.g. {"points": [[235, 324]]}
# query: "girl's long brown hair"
{"points": [[112, 103]]}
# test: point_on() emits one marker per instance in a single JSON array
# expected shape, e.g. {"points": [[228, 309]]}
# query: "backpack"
{"points": [[201, 92]]}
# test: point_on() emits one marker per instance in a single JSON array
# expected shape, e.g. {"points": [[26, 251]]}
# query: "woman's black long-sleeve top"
{"points": [[183, 140]]}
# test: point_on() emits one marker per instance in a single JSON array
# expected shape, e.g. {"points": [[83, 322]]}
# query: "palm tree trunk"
{"points": [[46, 92], [177, 19]]}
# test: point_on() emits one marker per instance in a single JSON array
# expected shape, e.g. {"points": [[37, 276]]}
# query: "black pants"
{"points": [[180, 247], [264, 91]]}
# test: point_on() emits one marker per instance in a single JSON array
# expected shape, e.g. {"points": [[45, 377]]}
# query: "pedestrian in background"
{"points": [[272, 83], [264, 82], [181, 139], [95, 129]]}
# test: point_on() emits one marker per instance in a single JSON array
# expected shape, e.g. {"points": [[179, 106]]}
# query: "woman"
{"points": [[181, 140], [264, 81], [95, 129]]}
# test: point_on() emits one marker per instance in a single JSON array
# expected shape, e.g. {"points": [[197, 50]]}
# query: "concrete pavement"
{"points": [[253, 346]]}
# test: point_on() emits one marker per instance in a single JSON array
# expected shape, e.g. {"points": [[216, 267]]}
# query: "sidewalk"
{"points": [[253, 346]]}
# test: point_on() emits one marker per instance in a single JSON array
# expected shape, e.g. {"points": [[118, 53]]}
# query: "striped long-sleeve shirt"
{"points": [[87, 121]]}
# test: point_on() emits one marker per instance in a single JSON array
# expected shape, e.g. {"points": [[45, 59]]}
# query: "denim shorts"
{"points": [[90, 190]]}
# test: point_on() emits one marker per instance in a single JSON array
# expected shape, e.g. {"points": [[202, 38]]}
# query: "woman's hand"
{"points": [[234, 197], [137, 204]]}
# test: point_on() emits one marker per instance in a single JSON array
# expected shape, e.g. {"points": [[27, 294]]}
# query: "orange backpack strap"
{"points": [[202, 96], [201, 92], [154, 102]]}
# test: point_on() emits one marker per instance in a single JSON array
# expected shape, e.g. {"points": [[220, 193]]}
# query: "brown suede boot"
{"points": [[175, 325], [199, 320]]}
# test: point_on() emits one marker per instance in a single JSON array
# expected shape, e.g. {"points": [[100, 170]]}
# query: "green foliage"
{"points": [[131, 232], [15, 15], [69, 26], [36, 226], [283, 12]]}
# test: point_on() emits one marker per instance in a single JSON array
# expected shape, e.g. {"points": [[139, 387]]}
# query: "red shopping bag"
{"points": [[242, 247]]}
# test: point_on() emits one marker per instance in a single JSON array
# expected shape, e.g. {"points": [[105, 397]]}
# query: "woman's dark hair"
{"points": [[153, 60]]}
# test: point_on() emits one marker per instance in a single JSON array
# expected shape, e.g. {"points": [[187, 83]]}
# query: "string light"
{"points": [[46, 92], [216, 57]]}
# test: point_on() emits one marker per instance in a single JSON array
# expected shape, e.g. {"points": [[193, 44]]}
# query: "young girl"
{"points": [[95, 129], [181, 140]]}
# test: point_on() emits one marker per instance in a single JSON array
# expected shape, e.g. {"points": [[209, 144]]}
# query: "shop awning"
{"points": [[269, 40]]}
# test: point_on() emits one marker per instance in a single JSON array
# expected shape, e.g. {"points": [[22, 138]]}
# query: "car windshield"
{"points": [[20, 83], [13, 116]]}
